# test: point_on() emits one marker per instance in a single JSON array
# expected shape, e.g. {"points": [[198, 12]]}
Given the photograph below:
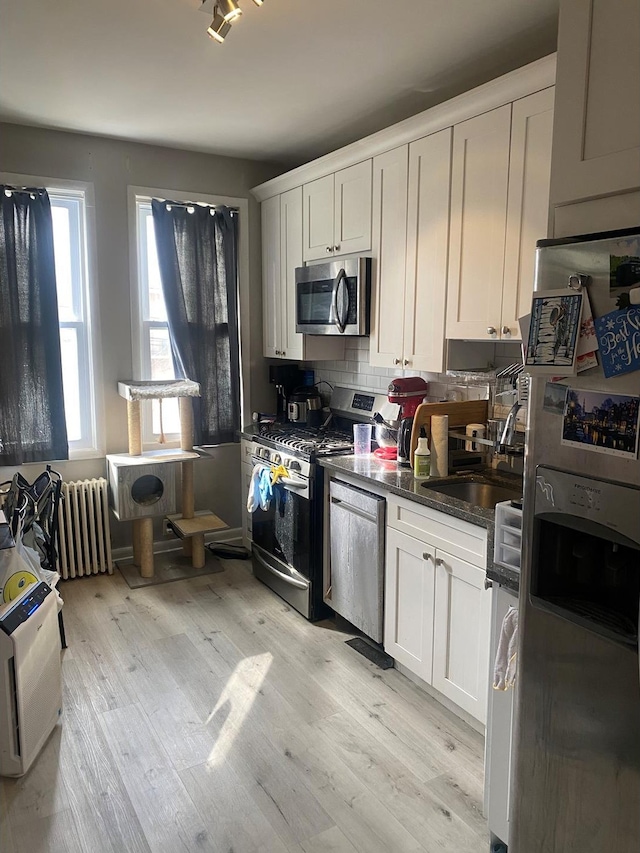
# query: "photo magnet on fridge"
{"points": [[605, 423], [619, 338], [553, 333]]}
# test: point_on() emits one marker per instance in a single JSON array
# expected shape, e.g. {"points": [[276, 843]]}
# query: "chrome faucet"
{"points": [[506, 439]]}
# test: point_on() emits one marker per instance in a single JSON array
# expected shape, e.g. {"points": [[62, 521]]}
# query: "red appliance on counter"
{"points": [[407, 392]]}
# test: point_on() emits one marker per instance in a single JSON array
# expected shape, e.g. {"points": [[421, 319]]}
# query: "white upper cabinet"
{"points": [[528, 204], [290, 258], [427, 239], [337, 213], [281, 254], [389, 248], [410, 233], [596, 141], [479, 185], [499, 209], [271, 283]]}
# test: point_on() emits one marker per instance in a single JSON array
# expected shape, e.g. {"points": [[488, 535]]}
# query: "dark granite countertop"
{"points": [[400, 481], [390, 476]]}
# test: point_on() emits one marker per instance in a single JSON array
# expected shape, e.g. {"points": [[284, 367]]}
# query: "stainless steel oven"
{"points": [[333, 298], [287, 535]]}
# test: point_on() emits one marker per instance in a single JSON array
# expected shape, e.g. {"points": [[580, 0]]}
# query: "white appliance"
{"points": [[30, 677], [499, 755]]}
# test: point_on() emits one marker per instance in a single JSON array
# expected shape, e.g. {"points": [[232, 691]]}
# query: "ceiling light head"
{"points": [[218, 28], [258, 2], [229, 10]]}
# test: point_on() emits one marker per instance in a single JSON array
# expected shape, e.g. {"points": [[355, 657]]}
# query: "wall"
{"points": [[111, 165], [356, 372]]}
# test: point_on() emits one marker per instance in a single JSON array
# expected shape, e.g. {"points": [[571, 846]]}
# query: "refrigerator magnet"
{"points": [[619, 338], [600, 421], [553, 333]]}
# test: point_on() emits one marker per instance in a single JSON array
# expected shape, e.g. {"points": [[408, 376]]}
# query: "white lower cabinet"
{"points": [[409, 598], [461, 634], [437, 610]]}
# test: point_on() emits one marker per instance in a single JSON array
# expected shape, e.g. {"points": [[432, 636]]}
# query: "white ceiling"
{"points": [[293, 80]]}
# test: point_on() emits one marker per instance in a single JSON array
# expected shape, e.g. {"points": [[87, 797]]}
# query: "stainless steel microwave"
{"points": [[333, 298]]}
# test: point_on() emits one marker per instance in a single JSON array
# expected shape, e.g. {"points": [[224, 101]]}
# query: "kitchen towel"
{"points": [[259, 488], [504, 672], [439, 445]]}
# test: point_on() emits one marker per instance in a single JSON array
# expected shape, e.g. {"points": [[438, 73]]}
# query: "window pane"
{"points": [[162, 368], [62, 249], [170, 416], [156, 308], [71, 382], [161, 361]]}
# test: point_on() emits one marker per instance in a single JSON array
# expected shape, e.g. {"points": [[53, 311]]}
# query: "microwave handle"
{"points": [[342, 276]]}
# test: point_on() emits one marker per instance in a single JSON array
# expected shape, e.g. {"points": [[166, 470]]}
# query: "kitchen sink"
{"points": [[482, 493]]}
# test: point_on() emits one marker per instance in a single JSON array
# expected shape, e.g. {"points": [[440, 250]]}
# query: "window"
{"points": [[68, 212], [155, 348]]}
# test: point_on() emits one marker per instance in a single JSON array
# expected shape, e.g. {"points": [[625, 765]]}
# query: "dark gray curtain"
{"points": [[197, 255], [32, 422]]}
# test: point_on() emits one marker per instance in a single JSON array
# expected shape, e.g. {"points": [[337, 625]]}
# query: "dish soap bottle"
{"points": [[422, 460]]}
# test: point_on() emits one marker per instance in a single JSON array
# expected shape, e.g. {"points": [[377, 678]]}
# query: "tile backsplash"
{"points": [[356, 372]]}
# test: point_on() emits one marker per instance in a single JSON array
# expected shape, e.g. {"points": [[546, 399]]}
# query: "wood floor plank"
{"points": [[167, 814], [42, 791], [330, 841], [87, 765], [231, 817], [56, 833], [183, 734], [207, 715], [361, 816], [430, 819]]}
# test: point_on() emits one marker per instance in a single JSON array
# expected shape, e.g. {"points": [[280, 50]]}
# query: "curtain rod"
{"points": [[193, 204]]}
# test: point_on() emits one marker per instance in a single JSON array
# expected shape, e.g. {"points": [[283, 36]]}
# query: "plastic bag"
{"points": [[19, 568]]}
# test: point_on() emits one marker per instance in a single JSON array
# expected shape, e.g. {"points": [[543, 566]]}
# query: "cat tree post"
{"points": [[143, 484]]}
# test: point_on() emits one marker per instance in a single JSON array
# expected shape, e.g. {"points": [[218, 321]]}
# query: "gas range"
{"points": [[305, 442]]}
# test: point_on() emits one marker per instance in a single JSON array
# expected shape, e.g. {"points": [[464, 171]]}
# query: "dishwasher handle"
{"points": [[355, 510]]}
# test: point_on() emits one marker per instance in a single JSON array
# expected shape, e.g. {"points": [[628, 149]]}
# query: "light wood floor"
{"points": [[206, 715]]}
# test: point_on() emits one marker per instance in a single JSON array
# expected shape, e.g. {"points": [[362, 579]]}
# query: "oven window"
{"points": [[284, 530], [314, 302]]}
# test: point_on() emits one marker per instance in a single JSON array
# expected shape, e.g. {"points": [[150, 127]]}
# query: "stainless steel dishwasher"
{"points": [[356, 579]]}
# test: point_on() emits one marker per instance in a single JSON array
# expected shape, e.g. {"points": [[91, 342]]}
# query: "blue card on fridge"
{"points": [[619, 339]]}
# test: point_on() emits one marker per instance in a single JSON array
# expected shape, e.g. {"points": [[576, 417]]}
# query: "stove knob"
{"points": [[263, 452], [294, 465], [276, 459]]}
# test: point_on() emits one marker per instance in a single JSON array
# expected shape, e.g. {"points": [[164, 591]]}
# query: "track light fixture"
{"points": [[229, 10], [225, 13], [218, 28]]}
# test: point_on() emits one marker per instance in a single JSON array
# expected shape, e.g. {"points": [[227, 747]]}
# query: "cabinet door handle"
{"points": [[278, 352], [440, 562], [329, 250], [406, 361], [488, 584], [397, 361], [506, 331], [491, 330], [283, 352], [427, 556], [336, 248]]}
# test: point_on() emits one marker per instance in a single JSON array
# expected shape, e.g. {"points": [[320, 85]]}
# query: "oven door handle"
{"points": [[342, 276], [292, 581], [295, 484]]}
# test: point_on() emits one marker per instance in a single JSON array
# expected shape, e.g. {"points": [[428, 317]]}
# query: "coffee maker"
{"points": [[407, 392], [285, 377]]}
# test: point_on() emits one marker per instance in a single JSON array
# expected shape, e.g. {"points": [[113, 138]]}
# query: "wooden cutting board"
{"points": [[460, 414]]}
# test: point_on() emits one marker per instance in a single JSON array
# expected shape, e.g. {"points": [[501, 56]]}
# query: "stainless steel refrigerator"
{"points": [[576, 785]]}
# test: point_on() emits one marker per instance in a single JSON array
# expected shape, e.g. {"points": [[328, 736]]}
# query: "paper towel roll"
{"points": [[439, 445]]}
